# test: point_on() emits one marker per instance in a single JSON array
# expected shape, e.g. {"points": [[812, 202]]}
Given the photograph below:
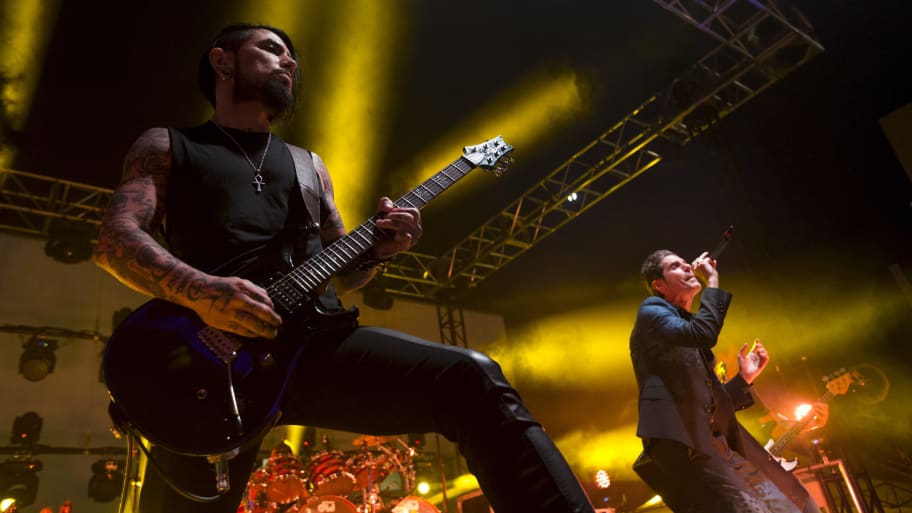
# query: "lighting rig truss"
{"points": [[760, 42], [30, 203], [759, 45]]}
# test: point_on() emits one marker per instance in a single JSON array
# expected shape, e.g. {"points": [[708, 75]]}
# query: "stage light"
{"points": [[107, 479], [70, 242], [416, 440], [801, 410], [602, 479], [38, 359], [424, 487], [26, 429], [18, 483], [572, 197]]}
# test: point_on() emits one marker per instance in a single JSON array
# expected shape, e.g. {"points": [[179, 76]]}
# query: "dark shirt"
{"points": [[214, 212]]}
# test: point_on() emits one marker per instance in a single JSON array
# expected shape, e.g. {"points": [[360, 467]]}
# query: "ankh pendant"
{"points": [[258, 182]]}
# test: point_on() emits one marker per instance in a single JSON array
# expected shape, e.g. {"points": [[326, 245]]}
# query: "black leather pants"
{"points": [[379, 382]]}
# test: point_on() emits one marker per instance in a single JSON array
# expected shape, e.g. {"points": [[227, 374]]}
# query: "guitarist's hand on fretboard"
{"points": [[398, 229], [819, 414]]}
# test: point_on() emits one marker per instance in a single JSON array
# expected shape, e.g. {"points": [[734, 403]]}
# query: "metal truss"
{"points": [[33, 204], [759, 46], [724, 20]]}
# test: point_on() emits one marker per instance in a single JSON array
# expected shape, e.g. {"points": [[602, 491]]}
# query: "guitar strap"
{"points": [[308, 181]]}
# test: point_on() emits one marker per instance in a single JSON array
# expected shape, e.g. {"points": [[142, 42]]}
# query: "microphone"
{"points": [[720, 247]]}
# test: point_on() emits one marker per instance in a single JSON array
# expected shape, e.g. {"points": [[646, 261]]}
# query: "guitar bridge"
{"points": [[221, 344]]}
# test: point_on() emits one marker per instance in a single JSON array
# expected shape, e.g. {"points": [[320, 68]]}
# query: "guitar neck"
{"points": [[290, 290], [787, 437]]}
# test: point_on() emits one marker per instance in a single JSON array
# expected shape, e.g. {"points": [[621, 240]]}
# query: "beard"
{"points": [[272, 92]]}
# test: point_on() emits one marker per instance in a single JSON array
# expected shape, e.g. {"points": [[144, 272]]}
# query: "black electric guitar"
{"points": [[199, 391], [837, 385]]}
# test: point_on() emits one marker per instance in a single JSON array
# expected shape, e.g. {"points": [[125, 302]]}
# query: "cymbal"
{"points": [[371, 440]]}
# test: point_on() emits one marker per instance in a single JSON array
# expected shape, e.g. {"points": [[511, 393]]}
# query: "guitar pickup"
{"points": [[221, 344]]}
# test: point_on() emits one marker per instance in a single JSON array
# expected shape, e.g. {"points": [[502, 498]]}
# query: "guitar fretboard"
{"points": [[786, 438], [291, 290]]}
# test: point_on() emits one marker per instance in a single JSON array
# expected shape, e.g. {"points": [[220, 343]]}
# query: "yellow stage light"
{"points": [[801, 410], [24, 29], [461, 484], [589, 451], [524, 115], [599, 337], [346, 116]]}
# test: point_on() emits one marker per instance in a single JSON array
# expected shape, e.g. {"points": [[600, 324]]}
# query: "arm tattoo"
{"points": [[126, 247]]}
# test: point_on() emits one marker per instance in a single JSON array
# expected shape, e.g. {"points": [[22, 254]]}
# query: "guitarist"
{"points": [[783, 430], [696, 454], [229, 185]]}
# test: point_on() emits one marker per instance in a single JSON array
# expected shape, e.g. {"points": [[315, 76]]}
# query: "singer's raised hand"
{"points": [[704, 268], [752, 359]]}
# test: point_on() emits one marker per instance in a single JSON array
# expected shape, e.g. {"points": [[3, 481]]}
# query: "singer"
{"points": [[695, 454]]}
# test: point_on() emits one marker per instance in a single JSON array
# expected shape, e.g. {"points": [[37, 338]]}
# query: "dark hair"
{"points": [[231, 38], [652, 269]]}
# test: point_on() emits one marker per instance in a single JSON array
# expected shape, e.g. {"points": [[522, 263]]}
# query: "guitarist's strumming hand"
{"points": [[752, 360], [238, 306], [398, 229]]}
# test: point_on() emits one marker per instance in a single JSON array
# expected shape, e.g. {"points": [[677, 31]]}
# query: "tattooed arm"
{"points": [[398, 229], [127, 250]]}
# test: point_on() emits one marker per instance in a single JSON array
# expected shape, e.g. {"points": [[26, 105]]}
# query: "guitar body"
{"points": [[788, 465], [168, 375]]}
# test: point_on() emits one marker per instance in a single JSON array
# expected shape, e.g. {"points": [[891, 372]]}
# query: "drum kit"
{"points": [[376, 477]]}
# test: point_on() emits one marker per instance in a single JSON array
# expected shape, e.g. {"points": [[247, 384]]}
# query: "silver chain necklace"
{"points": [[258, 181]]}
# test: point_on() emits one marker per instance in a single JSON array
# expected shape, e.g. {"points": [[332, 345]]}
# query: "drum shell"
{"points": [[325, 504], [413, 504], [328, 474]]}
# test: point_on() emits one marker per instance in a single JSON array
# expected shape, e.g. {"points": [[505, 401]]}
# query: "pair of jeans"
{"points": [[720, 482], [384, 382]]}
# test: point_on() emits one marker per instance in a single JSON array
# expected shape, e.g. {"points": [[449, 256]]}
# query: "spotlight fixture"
{"points": [[18, 483], [106, 482], [602, 479], [26, 430], [38, 359], [70, 242], [416, 440]]}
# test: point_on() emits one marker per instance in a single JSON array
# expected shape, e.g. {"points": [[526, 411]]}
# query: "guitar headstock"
{"points": [[840, 381], [490, 155]]}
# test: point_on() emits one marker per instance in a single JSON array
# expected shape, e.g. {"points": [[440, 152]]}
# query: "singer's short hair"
{"points": [[652, 269]]}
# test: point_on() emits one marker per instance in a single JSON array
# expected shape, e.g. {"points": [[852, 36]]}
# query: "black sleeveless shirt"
{"points": [[214, 212]]}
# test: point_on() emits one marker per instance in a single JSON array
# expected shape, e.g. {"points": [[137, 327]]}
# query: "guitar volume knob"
{"points": [[202, 393]]}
